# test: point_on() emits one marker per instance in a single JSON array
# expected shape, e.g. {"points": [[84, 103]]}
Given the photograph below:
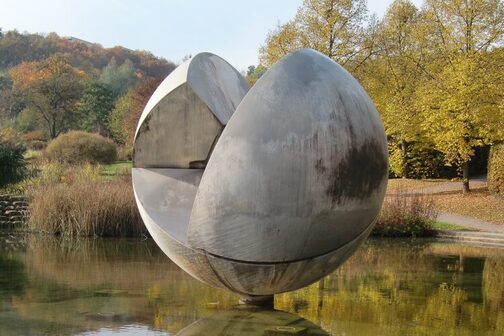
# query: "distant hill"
{"points": [[16, 48], [50, 84]]}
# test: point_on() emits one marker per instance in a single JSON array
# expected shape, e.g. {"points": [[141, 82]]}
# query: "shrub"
{"points": [[406, 215], [34, 136], [496, 169], [12, 163], [125, 153], [77, 147], [86, 209]]}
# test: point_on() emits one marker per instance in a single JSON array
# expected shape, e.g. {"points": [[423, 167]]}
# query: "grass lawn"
{"points": [[448, 227], [116, 168]]}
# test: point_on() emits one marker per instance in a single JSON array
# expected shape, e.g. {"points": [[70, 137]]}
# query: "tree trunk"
{"points": [[53, 132], [465, 177], [404, 155]]}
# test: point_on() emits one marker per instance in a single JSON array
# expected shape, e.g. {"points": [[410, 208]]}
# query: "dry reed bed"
{"points": [[96, 208]]}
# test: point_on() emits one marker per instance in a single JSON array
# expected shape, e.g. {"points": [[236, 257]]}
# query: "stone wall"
{"points": [[13, 211]]}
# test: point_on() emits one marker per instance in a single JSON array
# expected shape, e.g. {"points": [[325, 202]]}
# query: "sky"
{"points": [[232, 29]]}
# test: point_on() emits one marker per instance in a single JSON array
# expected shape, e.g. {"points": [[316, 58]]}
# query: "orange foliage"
{"points": [[25, 74], [34, 135], [140, 94], [28, 74]]}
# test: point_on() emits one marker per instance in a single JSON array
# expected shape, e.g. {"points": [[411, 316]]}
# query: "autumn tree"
{"points": [[462, 98], [254, 73], [392, 78], [52, 89], [333, 27], [16, 48], [116, 120], [12, 102], [95, 106], [119, 78], [126, 113]]}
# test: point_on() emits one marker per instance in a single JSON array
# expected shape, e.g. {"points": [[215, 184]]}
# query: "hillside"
{"points": [[51, 84], [16, 48]]}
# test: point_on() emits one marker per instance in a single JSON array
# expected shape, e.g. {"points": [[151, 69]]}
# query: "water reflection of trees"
{"points": [[386, 288], [252, 322], [111, 282], [402, 290]]}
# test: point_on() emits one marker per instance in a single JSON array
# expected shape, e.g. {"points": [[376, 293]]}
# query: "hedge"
{"points": [[496, 169]]}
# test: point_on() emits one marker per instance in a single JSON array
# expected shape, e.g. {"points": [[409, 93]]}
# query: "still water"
{"points": [[128, 287]]}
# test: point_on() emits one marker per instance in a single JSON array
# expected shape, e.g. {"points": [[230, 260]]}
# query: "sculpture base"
{"points": [[266, 301]]}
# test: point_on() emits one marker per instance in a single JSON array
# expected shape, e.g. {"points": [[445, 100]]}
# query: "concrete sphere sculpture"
{"points": [[265, 190]]}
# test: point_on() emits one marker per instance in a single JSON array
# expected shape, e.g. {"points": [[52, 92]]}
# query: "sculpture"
{"points": [[265, 190]]}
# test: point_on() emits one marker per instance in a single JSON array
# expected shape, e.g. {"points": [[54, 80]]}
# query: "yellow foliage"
{"points": [[496, 169], [333, 27], [435, 73]]}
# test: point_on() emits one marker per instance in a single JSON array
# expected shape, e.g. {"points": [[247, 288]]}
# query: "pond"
{"points": [[50, 286]]}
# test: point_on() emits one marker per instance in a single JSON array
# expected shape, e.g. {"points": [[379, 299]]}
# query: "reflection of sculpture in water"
{"points": [[265, 190], [245, 322]]}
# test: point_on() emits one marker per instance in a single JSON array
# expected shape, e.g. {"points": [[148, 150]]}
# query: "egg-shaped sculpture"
{"points": [[265, 190]]}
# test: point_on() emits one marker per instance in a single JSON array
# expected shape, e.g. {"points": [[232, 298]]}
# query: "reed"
{"points": [[86, 208]]}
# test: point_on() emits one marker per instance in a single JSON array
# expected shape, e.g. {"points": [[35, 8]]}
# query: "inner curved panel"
{"points": [[179, 132], [176, 78], [167, 195], [218, 84]]}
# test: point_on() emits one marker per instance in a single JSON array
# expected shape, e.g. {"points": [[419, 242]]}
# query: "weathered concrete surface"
{"points": [[187, 113], [172, 137], [284, 195], [299, 171], [167, 196], [177, 129], [272, 278], [190, 260]]}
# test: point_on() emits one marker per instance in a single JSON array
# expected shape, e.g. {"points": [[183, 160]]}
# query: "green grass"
{"points": [[447, 226], [116, 168]]}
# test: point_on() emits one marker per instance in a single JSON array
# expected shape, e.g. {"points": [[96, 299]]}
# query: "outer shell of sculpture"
{"points": [[265, 190]]}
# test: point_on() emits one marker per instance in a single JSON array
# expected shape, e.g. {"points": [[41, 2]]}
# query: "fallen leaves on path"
{"points": [[479, 203], [447, 196]]}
